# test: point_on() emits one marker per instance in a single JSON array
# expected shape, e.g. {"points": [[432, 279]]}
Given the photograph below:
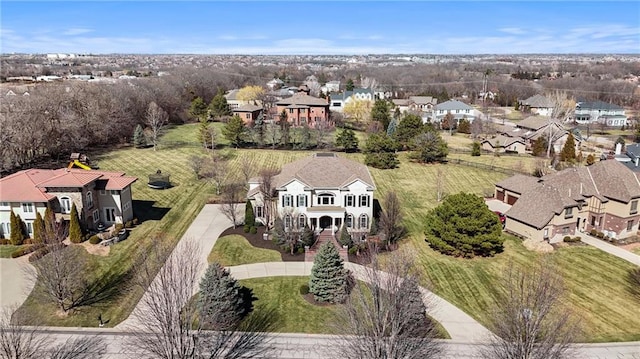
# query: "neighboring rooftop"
{"points": [[538, 101], [303, 99], [324, 171], [453, 105]]}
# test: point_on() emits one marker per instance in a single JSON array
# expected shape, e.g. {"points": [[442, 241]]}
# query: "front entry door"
{"points": [[325, 222]]}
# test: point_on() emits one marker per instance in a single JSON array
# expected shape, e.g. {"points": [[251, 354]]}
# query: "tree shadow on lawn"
{"points": [[145, 211], [257, 241], [633, 282]]}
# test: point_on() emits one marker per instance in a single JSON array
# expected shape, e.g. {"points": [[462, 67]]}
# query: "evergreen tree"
{"points": [[347, 139], [415, 310], [450, 231], [391, 129], [345, 237], [38, 229], [49, 224], [591, 159], [329, 278], [539, 148], [234, 131], [380, 152], [430, 147], [410, 126], [475, 148], [139, 139], [17, 233], [307, 237], [568, 153], [198, 109], [219, 106], [75, 231], [259, 130], [206, 133], [381, 113], [464, 126], [620, 140], [285, 129], [222, 303], [305, 138], [249, 217], [350, 85]]}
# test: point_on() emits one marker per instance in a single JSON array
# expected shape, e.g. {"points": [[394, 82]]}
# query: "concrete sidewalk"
{"points": [[610, 248], [459, 324]]}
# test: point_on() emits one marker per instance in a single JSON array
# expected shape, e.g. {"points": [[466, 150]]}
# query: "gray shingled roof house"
{"points": [[603, 197]]}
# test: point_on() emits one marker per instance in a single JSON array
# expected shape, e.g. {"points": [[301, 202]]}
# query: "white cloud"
{"points": [[76, 31], [513, 30]]}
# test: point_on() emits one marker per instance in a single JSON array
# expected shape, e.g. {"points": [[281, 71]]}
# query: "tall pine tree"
{"points": [[139, 139], [414, 311], [49, 224], [249, 217], [17, 234], [329, 278], [38, 229], [75, 231], [223, 303], [568, 153]]}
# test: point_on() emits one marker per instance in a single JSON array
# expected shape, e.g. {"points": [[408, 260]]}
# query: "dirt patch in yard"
{"points": [[96, 249], [631, 246]]}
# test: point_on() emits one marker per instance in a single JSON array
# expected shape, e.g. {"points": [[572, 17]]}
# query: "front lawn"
{"points": [[7, 249], [235, 250], [293, 313]]}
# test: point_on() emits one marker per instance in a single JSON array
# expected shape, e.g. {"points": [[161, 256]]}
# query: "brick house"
{"points": [[303, 109], [603, 196], [248, 113], [99, 196]]}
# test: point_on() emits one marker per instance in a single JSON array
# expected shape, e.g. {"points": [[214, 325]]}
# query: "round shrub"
{"points": [[304, 289], [253, 230], [247, 228], [95, 239], [135, 222], [129, 224], [4, 241], [566, 239]]}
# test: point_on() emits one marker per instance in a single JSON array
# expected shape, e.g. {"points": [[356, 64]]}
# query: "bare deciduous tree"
{"points": [[441, 179], [390, 224], [156, 118], [232, 197], [531, 320], [20, 342], [247, 169], [62, 277], [166, 320], [216, 169], [267, 191], [385, 317]]}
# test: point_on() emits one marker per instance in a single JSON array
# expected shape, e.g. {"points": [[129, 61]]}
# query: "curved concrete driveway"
{"points": [[15, 284], [460, 325], [211, 222]]}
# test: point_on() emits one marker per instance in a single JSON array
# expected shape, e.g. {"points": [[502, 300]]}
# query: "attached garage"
{"points": [[511, 199]]}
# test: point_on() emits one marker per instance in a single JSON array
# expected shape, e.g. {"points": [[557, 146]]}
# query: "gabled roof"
{"points": [[598, 105], [324, 171], [232, 95], [303, 99], [423, 100], [503, 141], [247, 108], [21, 186], [453, 105], [535, 122], [549, 195], [538, 101]]}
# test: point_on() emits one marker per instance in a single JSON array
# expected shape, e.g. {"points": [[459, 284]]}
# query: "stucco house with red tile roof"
{"points": [[320, 191], [100, 196], [603, 196]]}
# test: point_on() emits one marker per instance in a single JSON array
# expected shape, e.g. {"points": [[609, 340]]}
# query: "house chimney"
{"points": [[618, 148]]}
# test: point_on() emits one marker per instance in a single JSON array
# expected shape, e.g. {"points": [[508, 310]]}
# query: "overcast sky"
{"points": [[327, 27]]}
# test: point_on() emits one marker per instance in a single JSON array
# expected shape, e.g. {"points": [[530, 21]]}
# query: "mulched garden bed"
{"points": [[257, 241]]}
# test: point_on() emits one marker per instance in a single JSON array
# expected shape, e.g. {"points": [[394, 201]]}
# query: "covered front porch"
{"points": [[325, 218]]}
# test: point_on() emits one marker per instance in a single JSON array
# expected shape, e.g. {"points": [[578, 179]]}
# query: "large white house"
{"points": [[340, 100], [322, 191]]}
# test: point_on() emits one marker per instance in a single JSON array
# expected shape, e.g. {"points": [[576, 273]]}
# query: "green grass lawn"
{"points": [[293, 313], [596, 281], [233, 250], [7, 249]]}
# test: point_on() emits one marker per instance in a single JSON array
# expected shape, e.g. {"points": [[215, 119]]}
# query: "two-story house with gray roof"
{"points": [[537, 104], [458, 109], [600, 112], [603, 197], [339, 100], [322, 191]]}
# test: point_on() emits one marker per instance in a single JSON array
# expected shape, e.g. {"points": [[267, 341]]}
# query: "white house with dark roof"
{"points": [[458, 109], [322, 191], [340, 100], [100, 196], [600, 112], [538, 104]]}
